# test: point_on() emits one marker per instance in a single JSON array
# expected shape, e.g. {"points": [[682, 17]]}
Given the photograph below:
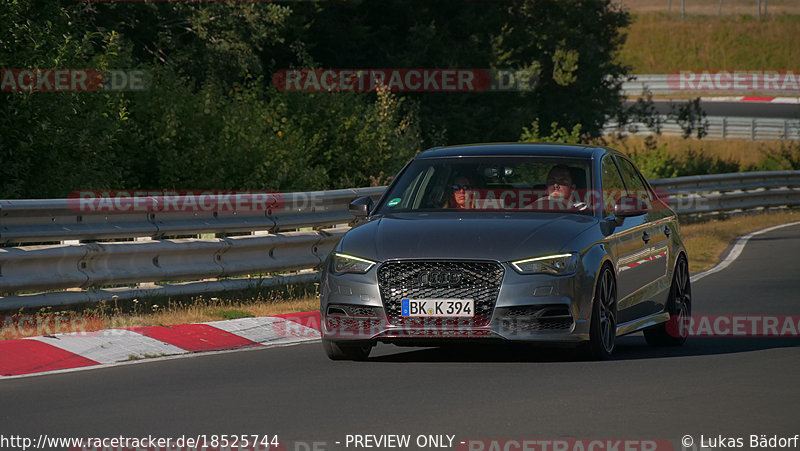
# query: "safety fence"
{"points": [[716, 127], [61, 252]]}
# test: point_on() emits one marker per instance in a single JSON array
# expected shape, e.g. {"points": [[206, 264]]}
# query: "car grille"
{"points": [[479, 281]]}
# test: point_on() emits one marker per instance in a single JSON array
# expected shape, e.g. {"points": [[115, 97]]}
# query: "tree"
{"points": [[570, 46]]}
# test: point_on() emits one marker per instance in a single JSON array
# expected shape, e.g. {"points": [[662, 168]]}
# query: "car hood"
{"points": [[502, 237]]}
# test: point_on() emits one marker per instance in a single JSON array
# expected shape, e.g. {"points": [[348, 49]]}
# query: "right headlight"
{"points": [[343, 263], [558, 264]]}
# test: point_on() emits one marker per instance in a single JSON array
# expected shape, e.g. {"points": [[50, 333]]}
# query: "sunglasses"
{"points": [[459, 187], [559, 182]]}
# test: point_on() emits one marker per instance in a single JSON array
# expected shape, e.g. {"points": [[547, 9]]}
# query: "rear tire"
{"points": [[679, 306], [603, 326], [346, 351]]}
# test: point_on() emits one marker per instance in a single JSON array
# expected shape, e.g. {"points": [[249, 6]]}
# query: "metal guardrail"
{"points": [[91, 266], [701, 195], [654, 83], [98, 264], [663, 84], [43, 220], [719, 127]]}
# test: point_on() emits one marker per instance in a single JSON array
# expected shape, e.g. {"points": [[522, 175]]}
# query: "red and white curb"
{"points": [[33, 355], [752, 99]]}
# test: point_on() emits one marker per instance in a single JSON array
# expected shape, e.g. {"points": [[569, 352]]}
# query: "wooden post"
{"points": [[719, 9], [759, 8], [683, 9], [669, 6]]}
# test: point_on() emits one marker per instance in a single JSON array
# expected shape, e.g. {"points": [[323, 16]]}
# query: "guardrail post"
{"points": [[785, 130], [753, 130], [724, 127]]}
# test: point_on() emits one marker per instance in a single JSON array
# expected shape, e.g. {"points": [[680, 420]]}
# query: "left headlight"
{"points": [[558, 265], [343, 263]]}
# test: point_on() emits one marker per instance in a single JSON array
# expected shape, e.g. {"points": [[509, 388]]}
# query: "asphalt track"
{"points": [[711, 386], [739, 109]]}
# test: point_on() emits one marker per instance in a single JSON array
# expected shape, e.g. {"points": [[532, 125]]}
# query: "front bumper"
{"points": [[528, 308]]}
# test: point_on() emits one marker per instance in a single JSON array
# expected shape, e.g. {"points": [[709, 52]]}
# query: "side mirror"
{"points": [[361, 207], [628, 206]]}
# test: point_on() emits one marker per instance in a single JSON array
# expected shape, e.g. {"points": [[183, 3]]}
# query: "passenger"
{"points": [[458, 198]]}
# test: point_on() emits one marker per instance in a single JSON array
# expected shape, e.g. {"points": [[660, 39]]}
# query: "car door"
{"points": [[652, 267], [630, 249]]}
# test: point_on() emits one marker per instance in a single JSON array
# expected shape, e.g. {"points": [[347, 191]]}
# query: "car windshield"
{"points": [[478, 184]]}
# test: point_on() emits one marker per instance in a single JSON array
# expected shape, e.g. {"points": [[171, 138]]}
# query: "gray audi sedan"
{"points": [[537, 243]]}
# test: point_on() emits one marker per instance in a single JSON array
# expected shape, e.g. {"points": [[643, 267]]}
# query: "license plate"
{"points": [[438, 307]]}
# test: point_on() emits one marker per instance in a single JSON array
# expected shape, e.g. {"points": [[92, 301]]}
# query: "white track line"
{"points": [[737, 249]]}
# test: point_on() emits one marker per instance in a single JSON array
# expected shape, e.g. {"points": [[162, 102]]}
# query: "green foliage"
{"points": [[232, 314], [211, 119], [691, 118], [655, 162], [557, 134], [565, 66], [51, 142], [785, 158], [567, 47]]}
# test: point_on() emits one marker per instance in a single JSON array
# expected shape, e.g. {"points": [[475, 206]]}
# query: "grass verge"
{"points": [[659, 43], [159, 311], [666, 156], [706, 241]]}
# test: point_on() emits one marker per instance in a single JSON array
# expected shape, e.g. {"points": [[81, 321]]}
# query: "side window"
{"points": [[612, 184], [636, 187]]}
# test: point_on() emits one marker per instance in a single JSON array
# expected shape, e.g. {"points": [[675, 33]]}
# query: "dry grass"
{"points": [[661, 43], [742, 151], [706, 241], [215, 310]]}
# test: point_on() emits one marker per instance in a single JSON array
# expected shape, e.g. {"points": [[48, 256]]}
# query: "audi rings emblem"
{"points": [[440, 278]]}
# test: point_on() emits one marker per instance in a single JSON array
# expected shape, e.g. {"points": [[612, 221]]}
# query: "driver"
{"points": [[560, 188]]}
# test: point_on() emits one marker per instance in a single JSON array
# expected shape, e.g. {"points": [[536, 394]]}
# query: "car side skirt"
{"points": [[642, 323]]}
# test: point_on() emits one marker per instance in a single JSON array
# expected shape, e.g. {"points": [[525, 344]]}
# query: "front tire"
{"points": [[679, 306], [603, 326], [337, 350]]}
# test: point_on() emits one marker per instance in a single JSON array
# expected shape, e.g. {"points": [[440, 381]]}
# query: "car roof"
{"points": [[514, 149]]}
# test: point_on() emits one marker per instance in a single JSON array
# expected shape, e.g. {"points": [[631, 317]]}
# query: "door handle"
{"points": [[667, 231], [646, 237]]}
